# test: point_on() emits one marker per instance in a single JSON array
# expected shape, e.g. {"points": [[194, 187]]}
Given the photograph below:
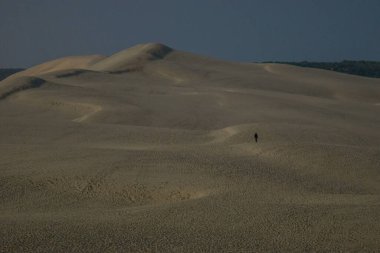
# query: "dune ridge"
{"points": [[132, 58], [25, 84]]}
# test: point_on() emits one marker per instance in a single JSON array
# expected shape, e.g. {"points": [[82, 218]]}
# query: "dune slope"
{"points": [[153, 149]]}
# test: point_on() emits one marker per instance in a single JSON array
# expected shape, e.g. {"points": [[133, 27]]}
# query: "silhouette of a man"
{"points": [[256, 137]]}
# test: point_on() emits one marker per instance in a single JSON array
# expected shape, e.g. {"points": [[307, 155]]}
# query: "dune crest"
{"points": [[72, 62], [23, 83], [133, 57]]}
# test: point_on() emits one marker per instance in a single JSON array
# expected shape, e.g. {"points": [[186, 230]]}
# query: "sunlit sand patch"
{"points": [[189, 93], [94, 109], [170, 76]]}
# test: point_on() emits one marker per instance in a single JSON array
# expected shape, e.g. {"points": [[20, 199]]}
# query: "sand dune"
{"points": [[152, 149]]}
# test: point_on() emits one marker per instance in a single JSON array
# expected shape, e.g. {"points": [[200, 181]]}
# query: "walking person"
{"points": [[256, 137]]}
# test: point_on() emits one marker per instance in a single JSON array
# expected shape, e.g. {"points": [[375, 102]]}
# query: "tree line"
{"points": [[361, 68]]}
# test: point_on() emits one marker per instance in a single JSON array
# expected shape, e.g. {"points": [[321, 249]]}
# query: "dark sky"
{"points": [[34, 31]]}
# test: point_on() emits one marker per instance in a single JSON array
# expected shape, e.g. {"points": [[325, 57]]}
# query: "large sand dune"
{"points": [[152, 149]]}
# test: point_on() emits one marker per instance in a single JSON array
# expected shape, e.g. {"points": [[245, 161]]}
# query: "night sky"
{"points": [[34, 31]]}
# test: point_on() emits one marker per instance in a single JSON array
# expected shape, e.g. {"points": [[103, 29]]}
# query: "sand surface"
{"points": [[152, 150]]}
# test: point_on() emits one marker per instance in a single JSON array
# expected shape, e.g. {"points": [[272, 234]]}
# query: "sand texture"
{"points": [[152, 150]]}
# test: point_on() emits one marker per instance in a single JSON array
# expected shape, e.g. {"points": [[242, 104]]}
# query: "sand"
{"points": [[152, 150]]}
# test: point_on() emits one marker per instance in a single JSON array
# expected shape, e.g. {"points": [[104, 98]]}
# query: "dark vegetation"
{"points": [[4, 73], [361, 68], [72, 73]]}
